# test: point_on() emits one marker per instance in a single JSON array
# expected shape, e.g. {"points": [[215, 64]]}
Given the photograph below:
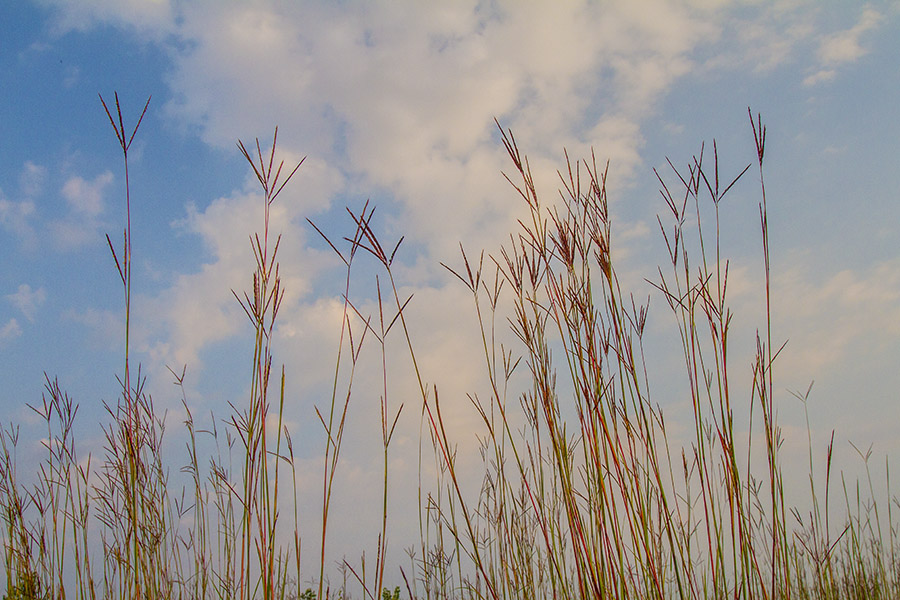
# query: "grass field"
{"points": [[582, 493]]}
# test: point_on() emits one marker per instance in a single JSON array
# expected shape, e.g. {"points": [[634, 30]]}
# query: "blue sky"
{"points": [[395, 102]]}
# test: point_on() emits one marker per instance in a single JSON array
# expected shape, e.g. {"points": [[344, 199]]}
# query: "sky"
{"points": [[395, 103]]}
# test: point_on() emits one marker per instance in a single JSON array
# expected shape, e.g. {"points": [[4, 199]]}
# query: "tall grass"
{"points": [[590, 498], [582, 493]]}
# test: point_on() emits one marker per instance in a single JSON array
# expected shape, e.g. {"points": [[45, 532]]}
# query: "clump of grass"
{"points": [[125, 507], [582, 492], [589, 498]]}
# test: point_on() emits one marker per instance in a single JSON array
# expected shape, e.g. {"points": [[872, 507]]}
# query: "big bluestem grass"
{"points": [[582, 492], [590, 498]]}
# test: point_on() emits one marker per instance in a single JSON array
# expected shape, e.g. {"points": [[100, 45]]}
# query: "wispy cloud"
{"points": [[15, 218], [10, 330], [27, 301], [199, 309], [85, 201], [148, 17], [858, 308], [70, 229], [18, 216], [86, 197], [843, 47], [32, 179]]}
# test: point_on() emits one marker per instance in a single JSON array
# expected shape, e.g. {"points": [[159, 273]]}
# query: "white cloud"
{"points": [[408, 94], [820, 76], [763, 38], [15, 217], [148, 17], [859, 308], [10, 330], [85, 200], [86, 197], [27, 301], [843, 47], [32, 179], [199, 308]]}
